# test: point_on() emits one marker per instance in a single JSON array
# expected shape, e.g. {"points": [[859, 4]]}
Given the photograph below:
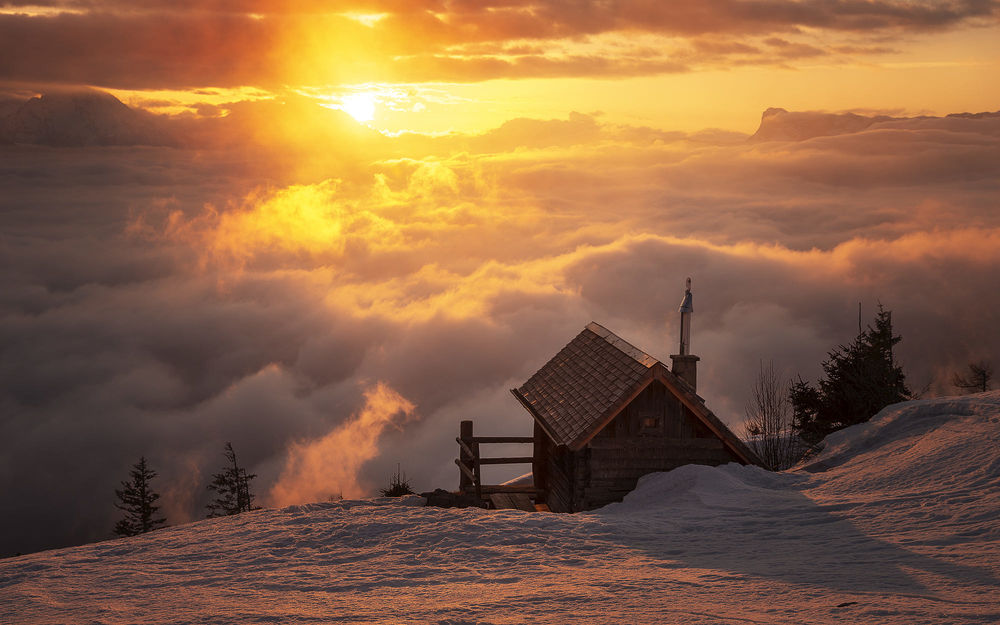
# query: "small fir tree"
{"points": [[398, 485], [232, 488], [137, 500]]}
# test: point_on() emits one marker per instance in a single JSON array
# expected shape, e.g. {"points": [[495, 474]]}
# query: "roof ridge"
{"points": [[622, 345]]}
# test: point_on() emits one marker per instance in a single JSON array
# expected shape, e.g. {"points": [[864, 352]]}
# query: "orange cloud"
{"points": [[328, 467]]}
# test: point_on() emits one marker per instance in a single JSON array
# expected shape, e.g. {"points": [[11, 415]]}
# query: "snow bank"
{"points": [[948, 418], [895, 522]]}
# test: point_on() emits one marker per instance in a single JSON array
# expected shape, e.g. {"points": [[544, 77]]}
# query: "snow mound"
{"points": [[729, 487], [897, 521], [927, 439]]}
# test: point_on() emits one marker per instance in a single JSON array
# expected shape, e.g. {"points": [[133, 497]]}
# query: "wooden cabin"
{"points": [[606, 413]]}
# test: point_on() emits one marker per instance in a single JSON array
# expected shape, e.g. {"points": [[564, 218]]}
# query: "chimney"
{"points": [[685, 365]]}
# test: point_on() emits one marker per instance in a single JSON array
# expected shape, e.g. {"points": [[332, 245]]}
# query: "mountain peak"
{"points": [[77, 119]]}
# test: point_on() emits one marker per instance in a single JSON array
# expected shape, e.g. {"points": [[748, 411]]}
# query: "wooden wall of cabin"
{"points": [[655, 432], [555, 472]]}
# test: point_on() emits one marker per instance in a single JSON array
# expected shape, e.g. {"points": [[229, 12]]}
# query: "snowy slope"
{"points": [[897, 521]]}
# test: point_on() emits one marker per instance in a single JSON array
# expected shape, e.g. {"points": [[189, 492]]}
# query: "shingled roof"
{"points": [[576, 393]]}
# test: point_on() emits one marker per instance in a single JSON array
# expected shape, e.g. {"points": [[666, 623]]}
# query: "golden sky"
{"points": [[437, 66]]}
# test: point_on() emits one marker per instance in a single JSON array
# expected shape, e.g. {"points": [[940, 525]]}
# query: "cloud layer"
{"points": [[195, 44], [297, 301]]}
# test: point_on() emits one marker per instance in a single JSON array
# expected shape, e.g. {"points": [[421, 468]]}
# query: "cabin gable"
{"points": [[654, 432], [606, 413]]}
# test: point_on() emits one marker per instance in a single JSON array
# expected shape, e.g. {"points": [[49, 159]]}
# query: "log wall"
{"points": [[655, 432]]}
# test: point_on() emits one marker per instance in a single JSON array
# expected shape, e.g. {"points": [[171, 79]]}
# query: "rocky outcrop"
{"points": [[777, 124]]}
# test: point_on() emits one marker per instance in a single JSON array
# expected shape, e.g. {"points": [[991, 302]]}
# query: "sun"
{"points": [[360, 106]]}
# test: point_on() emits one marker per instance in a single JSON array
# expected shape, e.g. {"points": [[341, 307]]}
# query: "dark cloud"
{"points": [[190, 45], [137, 50]]}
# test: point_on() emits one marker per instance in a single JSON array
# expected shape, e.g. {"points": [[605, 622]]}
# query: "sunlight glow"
{"points": [[360, 106], [366, 19], [32, 10]]}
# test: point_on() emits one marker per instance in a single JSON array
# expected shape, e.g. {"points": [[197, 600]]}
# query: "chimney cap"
{"points": [[687, 305]]}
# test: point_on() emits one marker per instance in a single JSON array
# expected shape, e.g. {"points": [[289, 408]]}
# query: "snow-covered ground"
{"points": [[897, 521]]}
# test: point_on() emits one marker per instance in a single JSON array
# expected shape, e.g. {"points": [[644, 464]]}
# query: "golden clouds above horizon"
{"points": [[272, 45], [532, 208], [442, 66]]}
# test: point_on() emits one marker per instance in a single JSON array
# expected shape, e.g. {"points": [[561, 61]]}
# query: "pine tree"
{"points": [[861, 379], [806, 402], [232, 487], [136, 499]]}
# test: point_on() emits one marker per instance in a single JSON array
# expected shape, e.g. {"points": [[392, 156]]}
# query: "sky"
{"points": [[329, 234]]}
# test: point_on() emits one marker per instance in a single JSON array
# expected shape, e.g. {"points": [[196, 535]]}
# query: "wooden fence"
{"points": [[469, 462]]}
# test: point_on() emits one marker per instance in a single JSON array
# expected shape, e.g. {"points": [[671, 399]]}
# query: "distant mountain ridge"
{"points": [[90, 118], [96, 118], [778, 124]]}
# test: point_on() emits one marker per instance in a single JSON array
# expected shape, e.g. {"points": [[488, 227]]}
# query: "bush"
{"points": [[398, 485]]}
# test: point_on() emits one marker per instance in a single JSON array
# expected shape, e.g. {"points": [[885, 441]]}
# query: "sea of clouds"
{"points": [[334, 304]]}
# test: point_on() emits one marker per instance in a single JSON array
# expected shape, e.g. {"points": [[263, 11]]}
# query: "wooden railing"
{"points": [[469, 462]]}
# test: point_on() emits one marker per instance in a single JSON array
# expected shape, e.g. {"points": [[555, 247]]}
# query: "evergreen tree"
{"points": [[861, 379], [232, 488], [136, 499], [806, 403]]}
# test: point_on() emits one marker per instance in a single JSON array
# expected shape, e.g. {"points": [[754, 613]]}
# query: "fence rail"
{"points": [[469, 462]]}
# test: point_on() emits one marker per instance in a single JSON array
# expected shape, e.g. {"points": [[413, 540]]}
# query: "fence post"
{"points": [[465, 433], [475, 459]]}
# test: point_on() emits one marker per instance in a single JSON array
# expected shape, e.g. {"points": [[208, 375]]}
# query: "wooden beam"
{"points": [[534, 415], [465, 448], [713, 423], [465, 479], [655, 442], [489, 489], [512, 501], [513, 460], [477, 470], [501, 439], [465, 470], [614, 411]]}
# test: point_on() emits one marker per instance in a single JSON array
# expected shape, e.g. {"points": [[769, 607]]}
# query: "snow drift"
{"points": [[896, 521]]}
